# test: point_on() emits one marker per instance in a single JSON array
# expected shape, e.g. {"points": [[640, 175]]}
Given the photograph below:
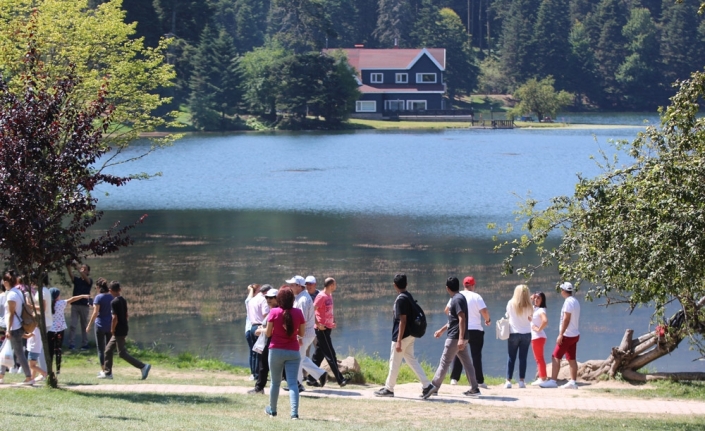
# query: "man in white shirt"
{"points": [[477, 313], [304, 303], [567, 341], [257, 310]]}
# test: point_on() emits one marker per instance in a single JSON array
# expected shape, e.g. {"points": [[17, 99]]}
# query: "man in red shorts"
{"points": [[567, 341]]}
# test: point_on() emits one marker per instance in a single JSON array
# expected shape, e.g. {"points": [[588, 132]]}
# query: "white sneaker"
{"points": [[453, 382], [101, 375], [522, 385], [507, 385], [537, 382], [482, 385], [252, 377], [15, 370], [2, 380], [570, 385], [39, 378], [548, 384]]}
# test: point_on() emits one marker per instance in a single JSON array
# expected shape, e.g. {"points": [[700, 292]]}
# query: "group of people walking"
{"points": [[109, 314], [287, 319]]}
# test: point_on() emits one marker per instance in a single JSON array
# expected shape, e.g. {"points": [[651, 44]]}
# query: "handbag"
{"points": [[502, 327], [6, 354], [260, 343]]}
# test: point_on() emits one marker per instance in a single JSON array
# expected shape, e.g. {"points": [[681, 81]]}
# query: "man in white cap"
{"points": [[567, 341], [311, 287], [304, 303]]}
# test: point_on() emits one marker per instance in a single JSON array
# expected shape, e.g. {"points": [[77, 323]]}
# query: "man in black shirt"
{"points": [[456, 343], [402, 346], [119, 331], [79, 309]]}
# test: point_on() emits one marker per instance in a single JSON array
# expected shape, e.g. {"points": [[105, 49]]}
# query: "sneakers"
{"points": [[105, 376], [40, 378], [522, 385], [294, 417], [256, 391], [15, 370], [2, 380], [28, 382], [72, 347], [269, 412], [301, 388], [548, 384], [507, 385], [453, 382], [86, 347], [537, 382], [344, 382], [384, 392], [252, 378], [472, 393], [101, 375], [145, 371], [428, 391], [322, 381], [482, 385], [570, 385]]}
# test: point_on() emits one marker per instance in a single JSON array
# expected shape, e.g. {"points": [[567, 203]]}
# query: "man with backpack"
{"points": [[404, 334]]}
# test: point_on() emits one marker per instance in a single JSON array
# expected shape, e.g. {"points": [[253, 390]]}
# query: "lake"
{"points": [[230, 210]]}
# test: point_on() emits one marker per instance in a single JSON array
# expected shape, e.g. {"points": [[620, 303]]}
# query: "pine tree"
{"points": [[299, 25], [366, 15], [517, 34], [184, 18], [639, 73], [681, 44], [342, 16], [393, 24], [214, 82], [582, 70], [551, 41]]}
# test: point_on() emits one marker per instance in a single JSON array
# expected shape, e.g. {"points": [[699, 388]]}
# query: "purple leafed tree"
{"points": [[50, 140]]}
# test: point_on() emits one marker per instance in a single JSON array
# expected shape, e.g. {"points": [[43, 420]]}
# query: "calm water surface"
{"points": [[233, 210]]}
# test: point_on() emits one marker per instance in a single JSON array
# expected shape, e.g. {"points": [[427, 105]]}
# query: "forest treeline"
{"points": [[238, 56]]}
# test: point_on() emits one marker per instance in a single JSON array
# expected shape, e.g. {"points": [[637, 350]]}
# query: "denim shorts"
{"points": [[33, 356]]}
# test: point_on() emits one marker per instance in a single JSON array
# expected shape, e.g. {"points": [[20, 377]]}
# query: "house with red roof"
{"points": [[398, 80]]}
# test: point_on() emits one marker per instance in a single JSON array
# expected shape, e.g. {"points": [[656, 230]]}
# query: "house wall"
{"points": [[433, 100], [424, 65]]}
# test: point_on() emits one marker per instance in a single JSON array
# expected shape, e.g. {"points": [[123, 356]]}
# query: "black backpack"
{"points": [[417, 321]]}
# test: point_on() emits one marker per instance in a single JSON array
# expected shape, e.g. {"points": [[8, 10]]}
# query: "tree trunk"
{"points": [[632, 355]]}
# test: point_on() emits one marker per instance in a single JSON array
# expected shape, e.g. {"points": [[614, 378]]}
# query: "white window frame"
{"points": [[377, 78], [419, 78], [401, 78], [360, 106], [387, 104], [410, 104]]}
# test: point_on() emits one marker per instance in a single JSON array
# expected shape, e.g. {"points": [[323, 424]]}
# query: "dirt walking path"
{"points": [[585, 399]]}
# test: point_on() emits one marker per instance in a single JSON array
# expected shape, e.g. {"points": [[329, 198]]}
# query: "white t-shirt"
{"points": [[48, 317], [34, 343], [257, 308], [304, 303], [572, 306], [475, 304], [519, 324], [537, 321], [2, 310], [14, 295]]}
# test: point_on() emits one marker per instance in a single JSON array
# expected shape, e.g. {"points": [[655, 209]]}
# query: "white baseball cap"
{"points": [[297, 279], [311, 279], [567, 286]]}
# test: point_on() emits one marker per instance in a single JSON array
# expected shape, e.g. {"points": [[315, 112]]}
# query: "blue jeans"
{"points": [[254, 356], [520, 342], [280, 360]]}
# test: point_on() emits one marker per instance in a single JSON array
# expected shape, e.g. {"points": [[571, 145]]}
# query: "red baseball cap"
{"points": [[469, 281]]}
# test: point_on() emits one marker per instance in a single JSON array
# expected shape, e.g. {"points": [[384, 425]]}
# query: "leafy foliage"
{"points": [[636, 232], [541, 98]]}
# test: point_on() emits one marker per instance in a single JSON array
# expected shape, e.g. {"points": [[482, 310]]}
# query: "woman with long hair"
{"points": [[55, 334], [539, 322], [103, 318], [286, 327], [519, 312]]}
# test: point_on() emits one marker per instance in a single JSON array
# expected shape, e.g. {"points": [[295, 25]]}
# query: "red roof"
{"points": [[363, 58]]}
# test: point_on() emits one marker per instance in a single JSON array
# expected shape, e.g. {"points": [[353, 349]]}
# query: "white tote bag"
{"points": [[6, 354], [502, 326], [259, 344]]}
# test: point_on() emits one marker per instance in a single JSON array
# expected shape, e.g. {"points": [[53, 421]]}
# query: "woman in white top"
{"points": [[538, 335], [519, 312]]}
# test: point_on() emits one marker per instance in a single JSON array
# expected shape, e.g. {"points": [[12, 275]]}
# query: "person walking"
{"points": [[539, 322], [257, 310], [402, 340], [55, 335], [325, 323], [14, 301], [119, 329], [82, 284], [263, 371], [477, 314], [286, 327], [304, 303], [567, 341], [456, 342], [102, 316], [252, 290]]}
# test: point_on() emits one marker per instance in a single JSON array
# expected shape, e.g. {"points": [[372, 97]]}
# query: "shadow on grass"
{"points": [[119, 418], [151, 398]]}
